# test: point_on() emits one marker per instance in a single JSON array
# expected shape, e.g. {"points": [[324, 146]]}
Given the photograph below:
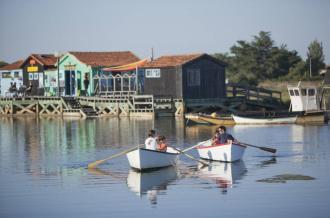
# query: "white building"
{"points": [[10, 74]]}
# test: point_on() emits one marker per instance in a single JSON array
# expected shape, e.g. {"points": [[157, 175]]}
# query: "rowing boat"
{"points": [[143, 159], [263, 120], [221, 152], [217, 120], [196, 118]]}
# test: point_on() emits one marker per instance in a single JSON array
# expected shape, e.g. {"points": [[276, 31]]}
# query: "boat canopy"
{"points": [[126, 67]]}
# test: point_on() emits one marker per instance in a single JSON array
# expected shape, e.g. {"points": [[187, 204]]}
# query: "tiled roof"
{"points": [[172, 60], [45, 59], [106, 59], [13, 66]]}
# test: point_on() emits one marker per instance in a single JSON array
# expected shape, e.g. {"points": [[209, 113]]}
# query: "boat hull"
{"points": [[280, 120], [196, 118], [218, 120], [223, 152], [143, 159]]}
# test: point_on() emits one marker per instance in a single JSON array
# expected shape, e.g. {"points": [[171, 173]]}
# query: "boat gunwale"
{"points": [[161, 152], [218, 145]]}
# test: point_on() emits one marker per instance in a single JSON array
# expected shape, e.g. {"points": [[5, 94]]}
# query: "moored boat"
{"points": [[221, 152], [264, 120], [196, 118], [143, 159], [217, 120]]}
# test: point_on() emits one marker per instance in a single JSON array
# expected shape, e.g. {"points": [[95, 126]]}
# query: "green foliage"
{"points": [[3, 63], [260, 60], [315, 57]]}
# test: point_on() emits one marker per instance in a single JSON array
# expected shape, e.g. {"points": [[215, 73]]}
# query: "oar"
{"points": [[191, 157], [187, 149], [95, 163], [272, 150]]}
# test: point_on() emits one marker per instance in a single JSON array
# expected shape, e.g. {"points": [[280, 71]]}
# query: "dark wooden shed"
{"points": [[192, 76], [33, 71]]}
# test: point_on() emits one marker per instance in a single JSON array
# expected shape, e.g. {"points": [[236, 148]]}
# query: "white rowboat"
{"points": [[275, 120], [221, 152], [142, 159]]}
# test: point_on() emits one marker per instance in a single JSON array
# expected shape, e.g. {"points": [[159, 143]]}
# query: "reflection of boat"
{"points": [[195, 118], [220, 152], [142, 159], [141, 182], [263, 120], [217, 120], [225, 174]]}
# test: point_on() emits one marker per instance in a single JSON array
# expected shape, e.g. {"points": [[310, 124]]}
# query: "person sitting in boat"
{"points": [[215, 138], [151, 142], [224, 137], [162, 146]]}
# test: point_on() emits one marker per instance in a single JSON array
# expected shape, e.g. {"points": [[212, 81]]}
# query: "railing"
{"points": [[253, 93]]}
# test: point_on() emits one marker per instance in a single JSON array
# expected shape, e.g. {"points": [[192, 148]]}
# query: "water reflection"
{"points": [[151, 183], [224, 174]]}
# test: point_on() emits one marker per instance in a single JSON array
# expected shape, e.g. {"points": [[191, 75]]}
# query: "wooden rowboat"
{"points": [[256, 120], [196, 118], [221, 152], [217, 120], [143, 159]]}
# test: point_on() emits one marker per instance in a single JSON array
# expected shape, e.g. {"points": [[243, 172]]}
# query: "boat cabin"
{"points": [[304, 98]]}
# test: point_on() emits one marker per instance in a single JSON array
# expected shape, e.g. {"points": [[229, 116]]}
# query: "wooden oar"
{"points": [[271, 150], [95, 163], [187, 149], [191, 157]]}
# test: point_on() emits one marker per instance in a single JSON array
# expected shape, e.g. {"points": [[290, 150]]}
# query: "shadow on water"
{"points": [[283, 178]]}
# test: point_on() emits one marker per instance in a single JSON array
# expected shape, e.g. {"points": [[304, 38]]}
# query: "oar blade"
{"points": [[94, 164], [271, 150]]}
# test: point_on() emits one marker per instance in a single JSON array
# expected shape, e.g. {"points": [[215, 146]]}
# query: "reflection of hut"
{"points": [[34, 68], [74, 67], [10, 73]]}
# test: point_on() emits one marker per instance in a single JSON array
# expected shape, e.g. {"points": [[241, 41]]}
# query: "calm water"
{"points": [[43, 171]]}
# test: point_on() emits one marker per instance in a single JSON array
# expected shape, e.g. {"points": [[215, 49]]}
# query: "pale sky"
{"points": [[168, 26]]}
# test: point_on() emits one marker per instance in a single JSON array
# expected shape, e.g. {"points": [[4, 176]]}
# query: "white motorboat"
{"points": [[143, 159], [262, 120], [221, 152]]}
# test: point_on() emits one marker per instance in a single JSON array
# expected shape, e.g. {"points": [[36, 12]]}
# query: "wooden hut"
{"points": [[75, 67], [34, 68], [191, 76]]}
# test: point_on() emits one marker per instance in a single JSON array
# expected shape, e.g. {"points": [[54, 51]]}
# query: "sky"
{"points": [[170, 27]]}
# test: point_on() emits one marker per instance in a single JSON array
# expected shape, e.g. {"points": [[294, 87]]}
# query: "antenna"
{"points": [[152, 53]]}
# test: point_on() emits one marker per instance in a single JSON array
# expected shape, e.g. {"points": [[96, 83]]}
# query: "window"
{"points": [[16, 74], [6, 75], [311, 92], [193, 77], [303, 92], [296, 92], [291, 92], [152, 73]]}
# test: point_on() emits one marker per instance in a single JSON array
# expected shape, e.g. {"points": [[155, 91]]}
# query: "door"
{"points": [[70, 83]]}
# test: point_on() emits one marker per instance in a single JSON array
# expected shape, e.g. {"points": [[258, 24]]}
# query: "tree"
{"points": [[259, 60], [315, 57], [3, 63]]}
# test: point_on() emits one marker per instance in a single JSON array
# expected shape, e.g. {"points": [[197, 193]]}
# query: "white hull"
{"points": [[225, 152], [247, 120], [142, 159]]}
